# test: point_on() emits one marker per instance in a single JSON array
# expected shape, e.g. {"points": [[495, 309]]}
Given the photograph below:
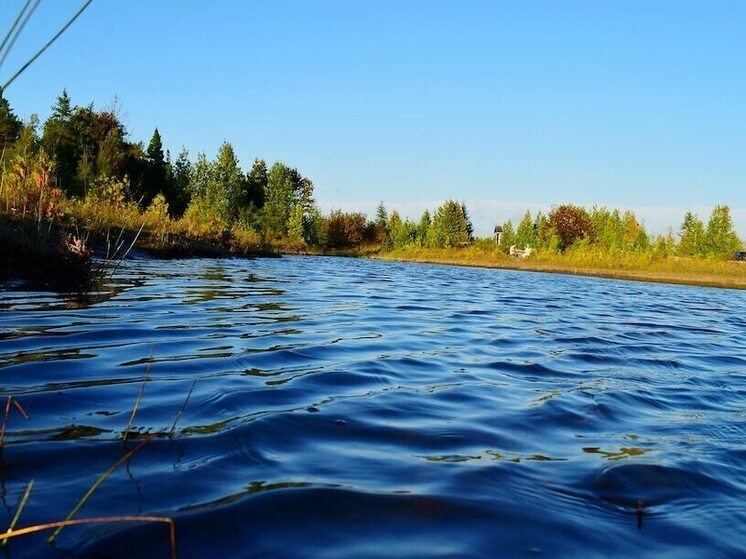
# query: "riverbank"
{"points": [[70, 255], [683, 271]]}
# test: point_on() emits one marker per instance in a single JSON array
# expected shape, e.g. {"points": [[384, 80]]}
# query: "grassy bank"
{"points": [[637, 267]]}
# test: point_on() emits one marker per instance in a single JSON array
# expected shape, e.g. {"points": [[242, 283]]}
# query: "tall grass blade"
{"points": [[139, 397], [17, 515], [95, 486], [181, 409], [128, 250], [8, 402]]}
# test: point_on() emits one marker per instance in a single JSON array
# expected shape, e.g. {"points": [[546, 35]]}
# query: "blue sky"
{"points": [[505, 105]]}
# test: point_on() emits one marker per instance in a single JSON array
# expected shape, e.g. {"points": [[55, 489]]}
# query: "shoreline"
{"points": [[27, 254], [667, 277]]}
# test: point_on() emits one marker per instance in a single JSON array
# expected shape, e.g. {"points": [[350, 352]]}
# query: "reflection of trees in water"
{"points": [[221, 285]]}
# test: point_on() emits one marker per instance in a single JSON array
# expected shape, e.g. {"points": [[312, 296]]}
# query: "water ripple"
{"points": [[353, 408]]}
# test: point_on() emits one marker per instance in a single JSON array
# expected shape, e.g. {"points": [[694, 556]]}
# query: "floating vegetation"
{"points": [[622, 453]]}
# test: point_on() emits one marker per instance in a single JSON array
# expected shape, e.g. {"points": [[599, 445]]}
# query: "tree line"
{"points": [[85, 156], [570, 227]]}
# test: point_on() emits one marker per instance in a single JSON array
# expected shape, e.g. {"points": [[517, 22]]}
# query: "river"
{"points": [[356, 408]]}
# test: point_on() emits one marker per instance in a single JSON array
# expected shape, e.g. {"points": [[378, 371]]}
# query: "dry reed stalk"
{"points": [[19, 510], [96, 485], [128, 250], [139, 397], [9, 401], [98, 520], [181, 409]]}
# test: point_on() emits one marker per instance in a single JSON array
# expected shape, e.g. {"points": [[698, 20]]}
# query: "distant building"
{"points": [[498, 233]]}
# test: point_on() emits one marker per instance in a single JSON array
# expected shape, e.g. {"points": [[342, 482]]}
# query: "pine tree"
{"points": [[721, 239], [450, 226], [692, 236], [383, 235], [229, 183], [59, 140], [423, 229], [180, 183], [256, 184], [382, 217], [508, 238], [200, 175], [156, 174], [526, 235], [10, 124], [467, 220]]}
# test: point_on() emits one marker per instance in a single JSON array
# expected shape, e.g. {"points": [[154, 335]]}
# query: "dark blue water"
{"points": [[352, 408]]}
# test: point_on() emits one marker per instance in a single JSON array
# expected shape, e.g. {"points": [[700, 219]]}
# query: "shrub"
{"points": [[202, 220], [346, 229], [571, 223], [244, 240], [156, 216]]}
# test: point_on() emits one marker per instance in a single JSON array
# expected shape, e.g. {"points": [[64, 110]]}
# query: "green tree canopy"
{"points": [[181, 172], [156, 178], [285, 188], [526, 235], [59, 139], [10, 124], [692, 234], [450, 226], [721, 239], [227, 186], [508, 238], [256, 184]]}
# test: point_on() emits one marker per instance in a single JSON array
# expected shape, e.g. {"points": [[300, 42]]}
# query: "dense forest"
{"points": [[81, 168]]}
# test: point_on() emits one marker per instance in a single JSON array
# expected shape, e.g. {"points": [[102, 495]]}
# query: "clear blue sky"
{"points": [[505, 105]]}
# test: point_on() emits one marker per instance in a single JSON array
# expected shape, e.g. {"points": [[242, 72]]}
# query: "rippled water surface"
{"points": [[352, 408]]}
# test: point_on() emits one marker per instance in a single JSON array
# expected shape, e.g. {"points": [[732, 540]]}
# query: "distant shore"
{"points": [[726, 275]]}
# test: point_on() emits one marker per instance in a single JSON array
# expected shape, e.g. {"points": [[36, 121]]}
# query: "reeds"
{"points": [[19, 407], [97, 520], [181, 409], [19, 510], [139, 397], [70, 520], [96, 484]]}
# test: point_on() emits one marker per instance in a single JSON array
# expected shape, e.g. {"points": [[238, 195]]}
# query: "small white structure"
{"points": [[518, 253], [498, 234]]}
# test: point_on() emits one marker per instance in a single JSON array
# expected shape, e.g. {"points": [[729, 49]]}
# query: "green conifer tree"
{"points": [[155, 182], [423, 229], [721, 239], [692, 236], [526, 235], [10, 124], [508, 238], [58, 139], [179, 183]]}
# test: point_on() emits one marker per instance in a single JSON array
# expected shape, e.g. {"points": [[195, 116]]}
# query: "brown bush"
{"points": [[571, 224], [346, 229]]}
